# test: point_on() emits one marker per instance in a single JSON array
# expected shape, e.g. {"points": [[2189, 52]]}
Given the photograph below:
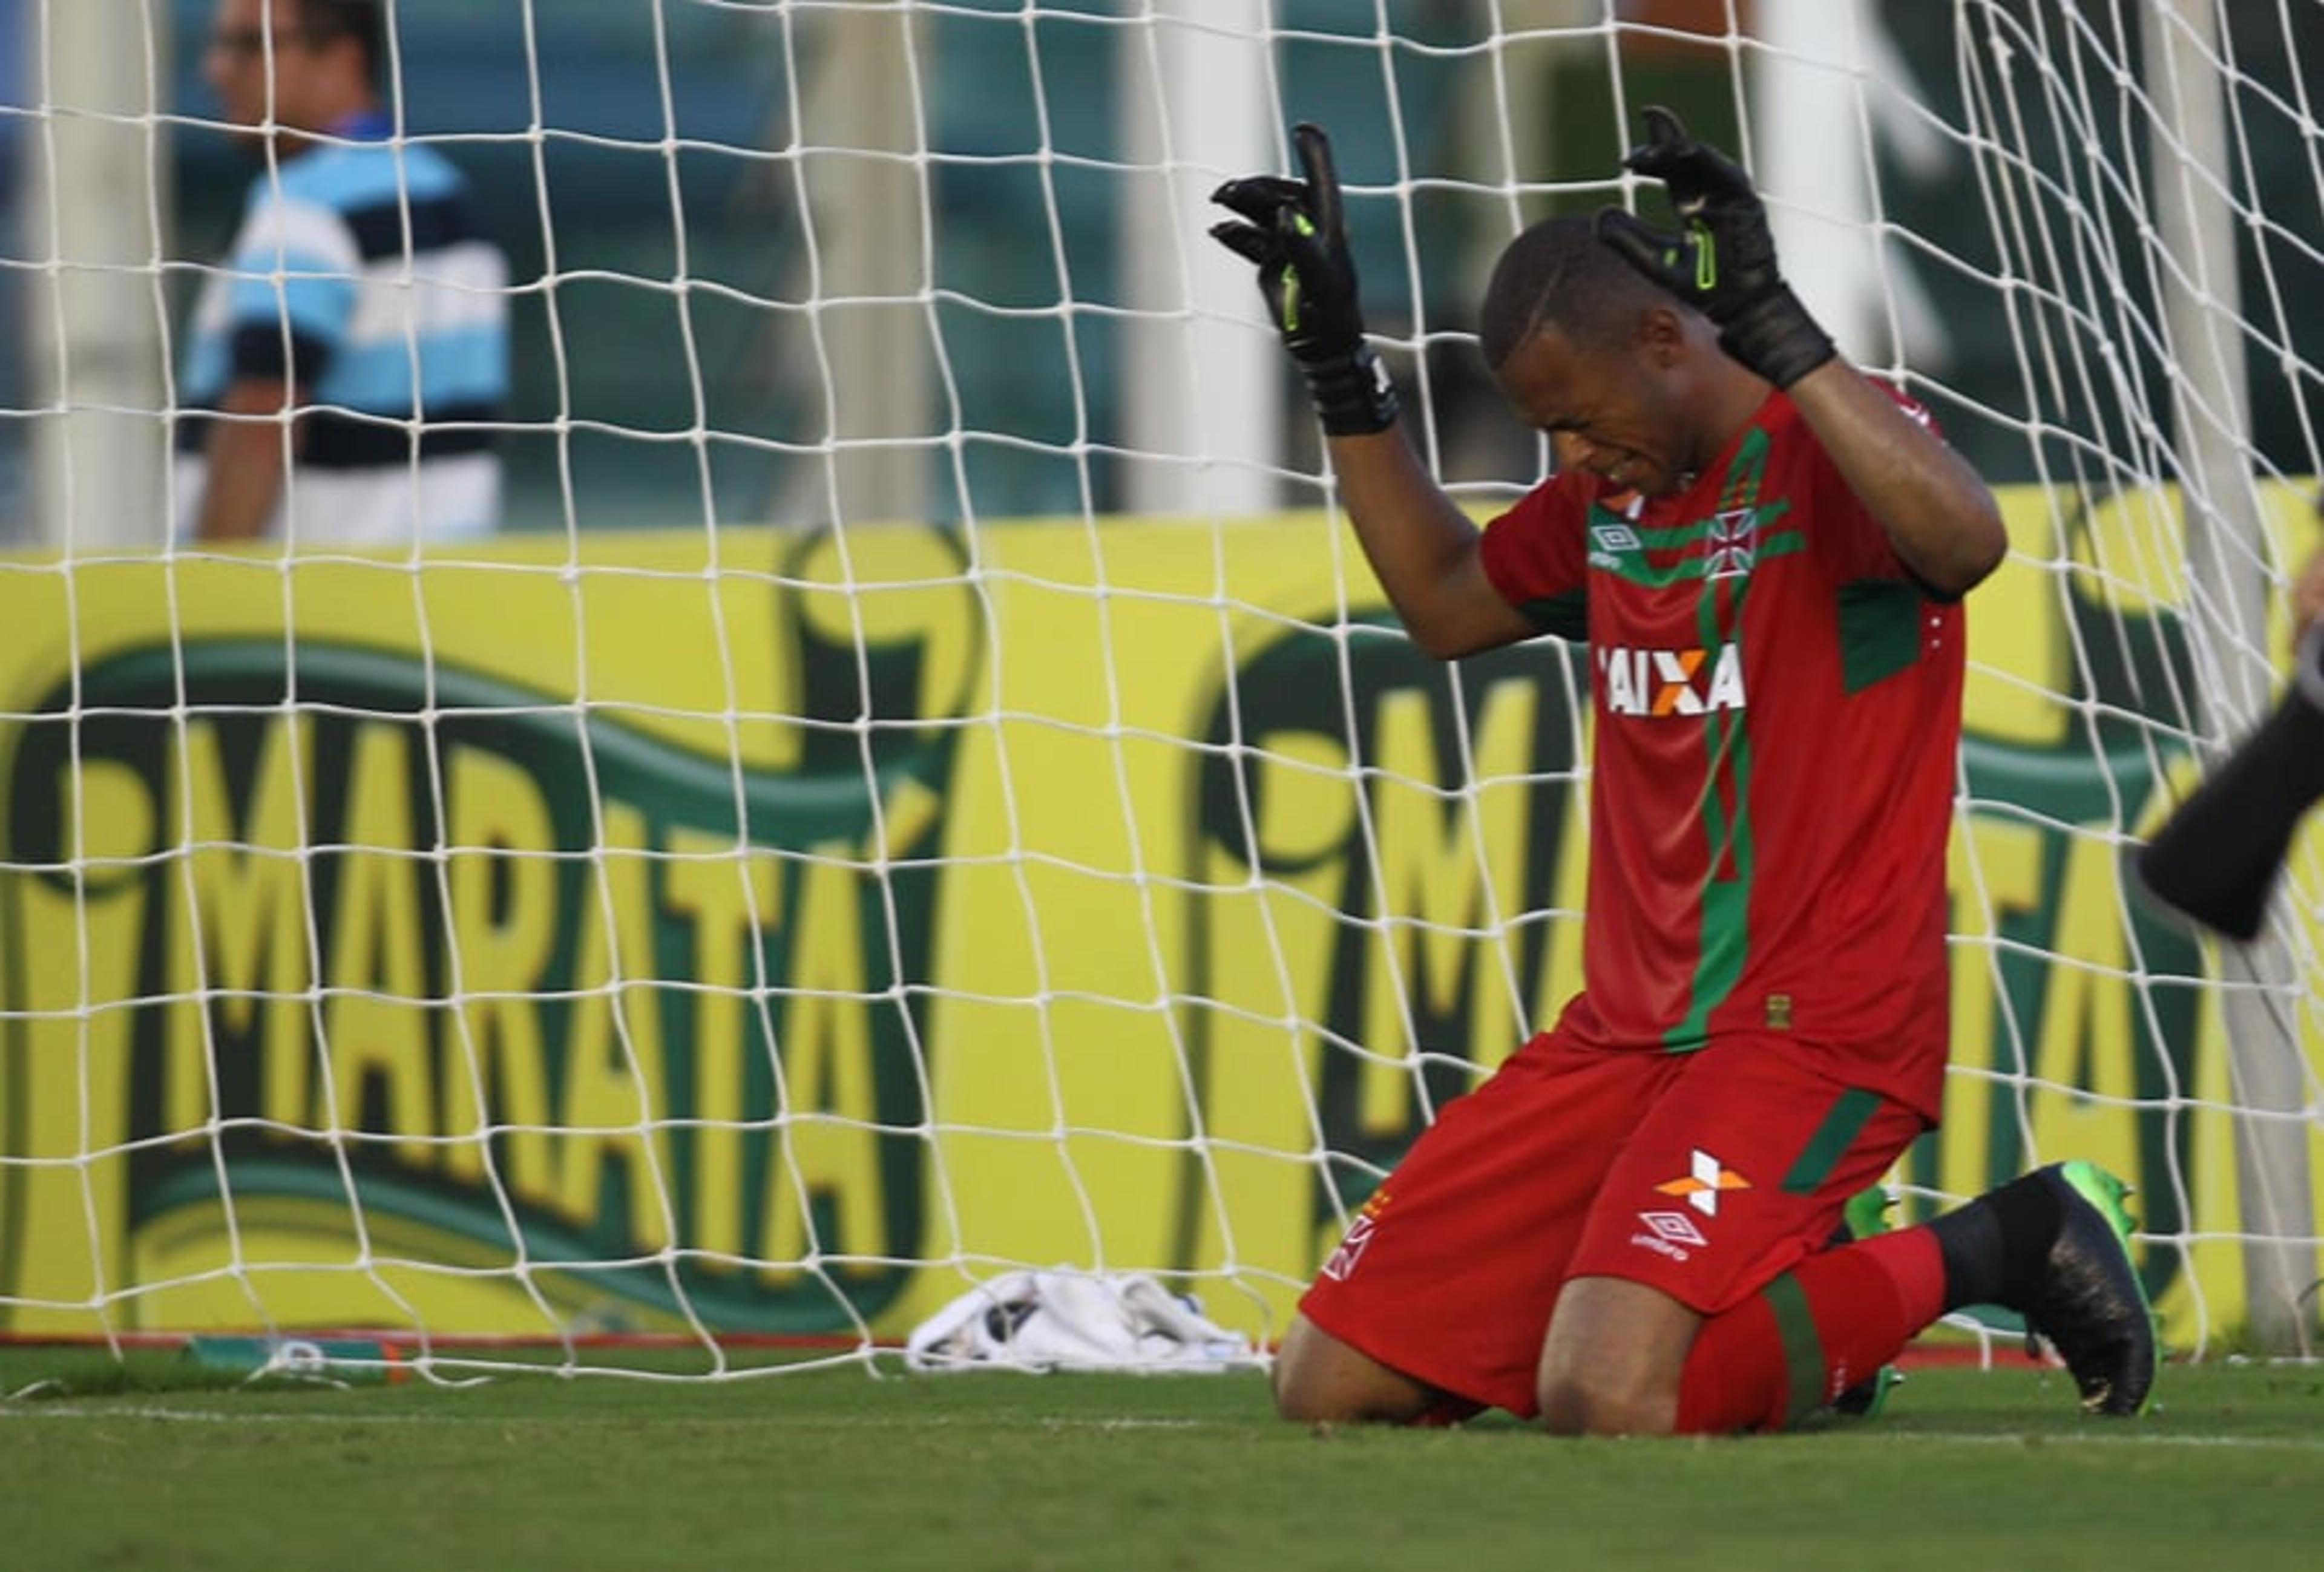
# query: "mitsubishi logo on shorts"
{"points": [[1705, 1179]]}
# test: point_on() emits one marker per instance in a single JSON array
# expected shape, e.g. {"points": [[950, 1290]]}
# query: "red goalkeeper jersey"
{"points": [[1777, 711]]}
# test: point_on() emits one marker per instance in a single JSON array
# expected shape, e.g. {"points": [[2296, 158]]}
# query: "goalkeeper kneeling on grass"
{"points": [[1627, 1228]]}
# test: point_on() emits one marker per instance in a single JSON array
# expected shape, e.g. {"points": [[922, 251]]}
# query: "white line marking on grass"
{"points": [[48, 1411], [2029, 1439], [757, 1421], [2036, 1439]]}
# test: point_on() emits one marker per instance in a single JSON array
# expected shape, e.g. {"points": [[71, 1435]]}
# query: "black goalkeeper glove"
{"points": [[1723, 262], [1294, 233]]}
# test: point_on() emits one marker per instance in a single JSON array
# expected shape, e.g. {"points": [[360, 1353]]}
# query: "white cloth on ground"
{"points": [[1075, 1320]]}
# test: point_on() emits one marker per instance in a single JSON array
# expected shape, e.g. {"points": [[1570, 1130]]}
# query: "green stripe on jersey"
{"points": [[1723, 920], [1672, 536], [1749, 471], [1724, 927], [1879, 630], [1634, 568]]}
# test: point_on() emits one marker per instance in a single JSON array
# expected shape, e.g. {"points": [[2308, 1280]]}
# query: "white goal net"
{"points": [[921, 784]]}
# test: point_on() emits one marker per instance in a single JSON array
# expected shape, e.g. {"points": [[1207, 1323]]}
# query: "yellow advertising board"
{"points": [[771, 934]]}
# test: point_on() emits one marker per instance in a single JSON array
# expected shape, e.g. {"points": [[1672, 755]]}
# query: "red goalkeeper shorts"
{"points": [[1705, 1175]]}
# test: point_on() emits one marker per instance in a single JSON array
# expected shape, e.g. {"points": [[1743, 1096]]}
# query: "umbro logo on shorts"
{"points": [[1671, 1234], [1676, 1227], [1352, 1245]]}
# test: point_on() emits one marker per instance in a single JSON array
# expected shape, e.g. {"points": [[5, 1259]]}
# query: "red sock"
{"points": [[1811, 1334]]}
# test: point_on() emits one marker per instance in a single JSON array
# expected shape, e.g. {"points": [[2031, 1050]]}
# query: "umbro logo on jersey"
{"points": [[1706, 1177], [1657, 683], [1611, 545]]}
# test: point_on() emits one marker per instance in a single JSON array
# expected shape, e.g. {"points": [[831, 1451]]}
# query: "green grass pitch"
{"points": [[837, 1469]]}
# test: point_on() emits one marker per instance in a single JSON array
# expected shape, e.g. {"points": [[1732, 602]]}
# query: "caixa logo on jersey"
{"points": [[1377, 836], [518, 980], [1659, 682]]}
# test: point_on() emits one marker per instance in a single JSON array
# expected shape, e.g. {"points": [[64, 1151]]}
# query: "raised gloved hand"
{"points": [[1722, 263], [1292, 230]]}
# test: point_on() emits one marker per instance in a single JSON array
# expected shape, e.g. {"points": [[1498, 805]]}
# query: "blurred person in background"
{"points": [[347, 363]]}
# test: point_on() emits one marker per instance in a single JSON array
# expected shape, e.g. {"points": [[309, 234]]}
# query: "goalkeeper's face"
{"points": [[1612, 411]]}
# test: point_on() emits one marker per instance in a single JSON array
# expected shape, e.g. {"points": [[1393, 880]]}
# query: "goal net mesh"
{"points": [[922, 783]]}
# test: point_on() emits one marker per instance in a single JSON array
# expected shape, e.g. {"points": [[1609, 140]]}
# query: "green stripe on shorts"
{"points": [[1850, 1111]]}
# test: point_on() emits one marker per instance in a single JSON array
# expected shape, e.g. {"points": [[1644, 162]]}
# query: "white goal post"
{"points": [[924, 786]]}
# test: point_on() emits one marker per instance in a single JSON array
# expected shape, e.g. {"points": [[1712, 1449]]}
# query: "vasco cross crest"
{"points": [[1731, 544]]}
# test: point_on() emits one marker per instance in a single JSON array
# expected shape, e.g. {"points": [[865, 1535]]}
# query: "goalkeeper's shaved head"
{"points": [[1558, 274]]}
